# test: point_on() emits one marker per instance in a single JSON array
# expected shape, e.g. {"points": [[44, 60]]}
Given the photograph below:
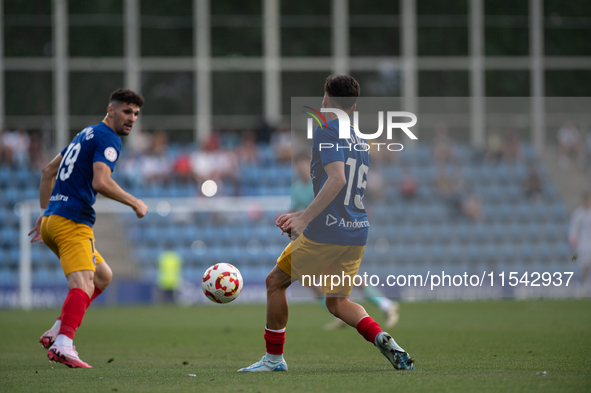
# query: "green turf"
{"points": [[458, 347]]}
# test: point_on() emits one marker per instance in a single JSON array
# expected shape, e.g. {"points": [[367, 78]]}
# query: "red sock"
{"points": [[369, 329], [97, 291], [73, 311], [274, 341]]}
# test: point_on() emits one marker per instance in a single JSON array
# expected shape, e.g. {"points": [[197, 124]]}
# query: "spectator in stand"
{"points": [[228, 168], [181, 168], [131, 169], [159, 145], [213, 143], [381, 153], [533, 184], [214, 163], [472, 207], [5, 152], [376, 184], [443, 184], [142, 142], [281, 144], [17, 143], [248, 151], [156, 166], [455, 192], [409, 185], [511, 147], [36, 156], [579, 235], [444, 150], [569, 144], [203, 161], [494, 147], [302, 191]]}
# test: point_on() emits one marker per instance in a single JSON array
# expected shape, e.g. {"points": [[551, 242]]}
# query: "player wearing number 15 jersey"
{"points": [[68, 189], [328, 236]]}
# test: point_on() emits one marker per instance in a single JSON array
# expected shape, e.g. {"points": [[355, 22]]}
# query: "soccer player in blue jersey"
{"points": [[69, 184], [329, 236]]}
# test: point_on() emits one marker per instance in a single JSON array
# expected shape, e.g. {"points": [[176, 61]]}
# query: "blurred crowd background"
{"points": [[218, 77]]}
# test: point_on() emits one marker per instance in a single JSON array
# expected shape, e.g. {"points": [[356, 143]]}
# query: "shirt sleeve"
{"points": [[107, 151], [327, 144]]}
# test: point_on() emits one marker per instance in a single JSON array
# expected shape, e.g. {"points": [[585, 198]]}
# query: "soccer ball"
{"points": [[222, 283]]}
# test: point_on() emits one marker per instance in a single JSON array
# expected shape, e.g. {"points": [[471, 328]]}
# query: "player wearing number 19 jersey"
{"points": [[79, 172], [329, 236]]}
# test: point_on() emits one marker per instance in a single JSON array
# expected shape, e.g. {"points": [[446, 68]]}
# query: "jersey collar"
{"points": [[107, 124]]}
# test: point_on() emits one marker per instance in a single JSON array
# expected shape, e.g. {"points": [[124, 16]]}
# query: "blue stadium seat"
{"points": [[13, 196], [4, 257], [40, 276], [9, 238], [516, 233], [5, 176], [7, 277]]}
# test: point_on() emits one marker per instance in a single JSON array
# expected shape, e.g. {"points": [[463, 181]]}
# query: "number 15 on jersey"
{"points": [[361, 182]]}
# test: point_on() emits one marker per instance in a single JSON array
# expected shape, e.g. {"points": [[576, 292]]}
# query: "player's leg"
{"points": [[346, 265], [48, 338], [336, 323], [277, 282], [102, 277], [75, 243], [346, 310], [81, 288], [355, 315], [387, 306]]}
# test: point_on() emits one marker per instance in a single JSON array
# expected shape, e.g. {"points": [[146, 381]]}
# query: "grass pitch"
{"points": [[458, 347]]}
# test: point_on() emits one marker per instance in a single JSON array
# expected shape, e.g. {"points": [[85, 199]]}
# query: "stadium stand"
{"points": [[407, 235]]}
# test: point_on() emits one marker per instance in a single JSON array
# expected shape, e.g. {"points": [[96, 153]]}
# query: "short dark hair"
{"points": [[127, 96], [343, 90]]}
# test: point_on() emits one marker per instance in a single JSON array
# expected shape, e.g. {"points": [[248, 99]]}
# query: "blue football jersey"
{"points": [[344, 220], [73, 196]]}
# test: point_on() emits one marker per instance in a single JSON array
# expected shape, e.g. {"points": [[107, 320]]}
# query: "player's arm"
{"points": [[104, 184], [284, 221], [334, 184], [48, 175]]}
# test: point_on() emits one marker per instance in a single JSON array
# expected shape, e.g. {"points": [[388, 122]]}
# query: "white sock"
{"points": [[56, 327], [275, 331], [274, 358], [64, 341], [385, 304]]}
